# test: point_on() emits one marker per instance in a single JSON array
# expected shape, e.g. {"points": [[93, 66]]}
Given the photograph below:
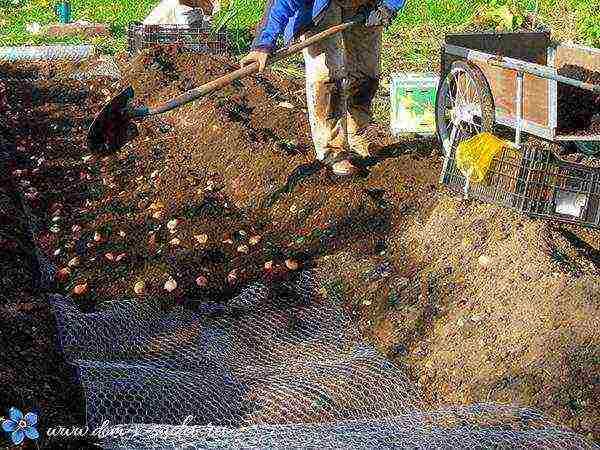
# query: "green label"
{"points": [[412, 108]]}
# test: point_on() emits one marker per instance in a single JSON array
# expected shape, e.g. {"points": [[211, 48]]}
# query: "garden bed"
{"points": [[478, 303]]}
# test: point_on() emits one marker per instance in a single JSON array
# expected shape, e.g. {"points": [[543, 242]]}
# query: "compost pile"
{"points": [[477, 303]]}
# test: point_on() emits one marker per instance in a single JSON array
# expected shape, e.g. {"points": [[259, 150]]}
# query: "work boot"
{"points": [[368, 141], [339, 163]]}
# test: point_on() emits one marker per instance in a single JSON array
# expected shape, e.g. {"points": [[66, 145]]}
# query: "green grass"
{"points": [[412, 42], [117, 13]]}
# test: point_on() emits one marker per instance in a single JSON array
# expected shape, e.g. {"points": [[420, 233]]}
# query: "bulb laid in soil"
{"points": [[122, 234], [157, 205], [120, 256], [170, 285], [202, 281], [201, 238], [175, 242], [232, 277], [484, 261], [74, 262], [292, 264], [109, 256], [81, 289], [63, 274], [254, 240], [139, 288], [172, 225]]}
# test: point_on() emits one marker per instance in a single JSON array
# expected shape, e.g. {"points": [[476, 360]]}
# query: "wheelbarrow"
{"points": [[525, 83]]}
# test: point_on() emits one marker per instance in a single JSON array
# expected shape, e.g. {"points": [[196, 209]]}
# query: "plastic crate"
{"points": [[535, 182], [193, 38]]}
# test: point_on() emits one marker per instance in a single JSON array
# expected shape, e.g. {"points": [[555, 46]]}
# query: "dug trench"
{"points": [[477, 303]]}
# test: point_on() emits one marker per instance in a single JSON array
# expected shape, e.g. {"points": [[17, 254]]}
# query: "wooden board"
{"points": [[503, 84], [572, 55]]}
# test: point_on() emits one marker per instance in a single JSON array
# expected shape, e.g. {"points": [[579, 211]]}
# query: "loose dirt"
{"points": [[477, 302]]}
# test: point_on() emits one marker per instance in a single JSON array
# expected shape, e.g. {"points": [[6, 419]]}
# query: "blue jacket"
{"points": [[291, 17]]}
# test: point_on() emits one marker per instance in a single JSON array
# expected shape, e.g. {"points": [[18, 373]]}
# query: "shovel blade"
{"points": [[112, 128]]}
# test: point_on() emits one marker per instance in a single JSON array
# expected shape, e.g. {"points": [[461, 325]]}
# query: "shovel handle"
{"points": [[245, 71]]}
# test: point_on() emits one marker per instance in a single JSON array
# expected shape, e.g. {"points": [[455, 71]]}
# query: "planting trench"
{"points": [[475, 303]]}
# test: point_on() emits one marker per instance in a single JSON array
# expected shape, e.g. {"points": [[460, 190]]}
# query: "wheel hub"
{"points": [[463, 113]]}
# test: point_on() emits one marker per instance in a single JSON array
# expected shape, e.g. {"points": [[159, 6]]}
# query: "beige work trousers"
{"points": [[342, 76]]}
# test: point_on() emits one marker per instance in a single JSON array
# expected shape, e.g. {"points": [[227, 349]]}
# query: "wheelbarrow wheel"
{"points": [[464, 105]]}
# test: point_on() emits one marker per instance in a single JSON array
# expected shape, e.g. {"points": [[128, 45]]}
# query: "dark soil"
{"points": [[578, 109], [478, 303], [33, 373]]}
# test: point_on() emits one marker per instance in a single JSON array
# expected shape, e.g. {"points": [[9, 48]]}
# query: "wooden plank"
{"points": [[577, 56], [578, 109], [503, 84]]}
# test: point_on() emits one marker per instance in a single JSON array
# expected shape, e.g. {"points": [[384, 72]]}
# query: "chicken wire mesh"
{"points": [[47, 53], [280, 368]]}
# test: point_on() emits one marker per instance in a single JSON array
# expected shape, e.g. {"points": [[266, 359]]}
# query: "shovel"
{"points": [[113, 126]]}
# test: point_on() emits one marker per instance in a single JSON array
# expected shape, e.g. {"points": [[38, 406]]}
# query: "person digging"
{"points": [[342, 73]]}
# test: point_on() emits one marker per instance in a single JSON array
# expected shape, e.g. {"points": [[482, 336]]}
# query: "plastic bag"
{"points": [[474, 156]]}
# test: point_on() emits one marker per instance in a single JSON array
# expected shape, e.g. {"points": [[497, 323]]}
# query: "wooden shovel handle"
{"points": [[245, 71]]}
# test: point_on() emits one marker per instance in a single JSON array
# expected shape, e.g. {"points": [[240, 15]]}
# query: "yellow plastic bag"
{"points": [[474, 156]]}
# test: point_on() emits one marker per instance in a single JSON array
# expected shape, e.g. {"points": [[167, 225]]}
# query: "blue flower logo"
{"points": [[20, 426]]}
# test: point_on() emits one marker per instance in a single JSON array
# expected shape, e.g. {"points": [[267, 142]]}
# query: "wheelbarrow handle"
{"points": [[245, 71]]}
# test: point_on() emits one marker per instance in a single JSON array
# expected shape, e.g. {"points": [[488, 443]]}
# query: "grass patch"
{"points": [[410, 42]]}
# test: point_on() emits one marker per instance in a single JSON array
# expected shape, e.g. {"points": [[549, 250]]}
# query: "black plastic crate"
{"points": [[194, 38], [536, 182]]}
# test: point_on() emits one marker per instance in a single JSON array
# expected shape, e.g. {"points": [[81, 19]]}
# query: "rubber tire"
{"points": [[484, 97]]}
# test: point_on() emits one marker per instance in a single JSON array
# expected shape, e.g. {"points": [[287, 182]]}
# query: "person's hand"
{"points": [[382, 16], [258, 56]]}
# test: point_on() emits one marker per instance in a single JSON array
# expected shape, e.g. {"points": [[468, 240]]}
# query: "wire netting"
{"points": [[276, 367]]}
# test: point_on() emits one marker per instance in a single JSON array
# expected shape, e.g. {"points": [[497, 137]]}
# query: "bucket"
{"points": [[412, 100]]}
